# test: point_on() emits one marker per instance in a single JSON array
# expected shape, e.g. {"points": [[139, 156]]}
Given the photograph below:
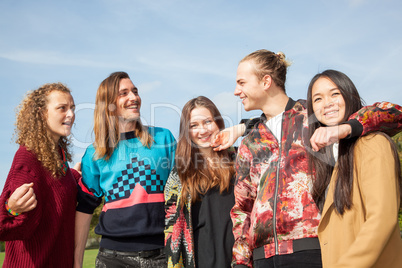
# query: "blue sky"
{"points": [[176, 50]]}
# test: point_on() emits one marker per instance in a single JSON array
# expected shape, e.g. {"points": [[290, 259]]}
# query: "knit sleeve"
{"points": [[77, 176], [25, 169]]}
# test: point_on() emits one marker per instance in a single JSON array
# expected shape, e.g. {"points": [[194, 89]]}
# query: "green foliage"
{"points": [[398, 141], [400, 220], [89, 258], [94, 221], [93, 238]]}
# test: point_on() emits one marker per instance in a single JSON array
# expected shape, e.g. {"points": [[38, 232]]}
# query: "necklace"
{"points": [[64, 164]]}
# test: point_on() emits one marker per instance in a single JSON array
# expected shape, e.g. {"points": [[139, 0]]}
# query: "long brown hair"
{"points": [[197, 176], [106, 121], [32, 131], [321, 163]]}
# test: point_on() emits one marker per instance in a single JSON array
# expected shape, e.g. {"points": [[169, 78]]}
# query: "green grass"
{"points": [[89, 258]]}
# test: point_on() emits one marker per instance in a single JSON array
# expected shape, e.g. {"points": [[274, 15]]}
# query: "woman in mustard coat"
{"points": [[357, 184]]}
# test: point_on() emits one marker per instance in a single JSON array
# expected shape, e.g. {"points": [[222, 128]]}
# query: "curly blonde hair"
{"points": [[32, 130]]}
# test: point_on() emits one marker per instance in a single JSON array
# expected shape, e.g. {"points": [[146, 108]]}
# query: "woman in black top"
{"points": [[199, 192]]}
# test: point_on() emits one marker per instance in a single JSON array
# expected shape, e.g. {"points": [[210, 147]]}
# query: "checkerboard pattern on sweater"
{"points": [[136, 172]]}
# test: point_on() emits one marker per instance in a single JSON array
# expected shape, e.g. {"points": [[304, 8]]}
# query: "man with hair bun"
{"points": [[275, 217]]}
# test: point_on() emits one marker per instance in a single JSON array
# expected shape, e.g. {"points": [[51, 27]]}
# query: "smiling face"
{"points": [[328, 102], [60, 114], [128, 102], [248, 87], [202, 128]]}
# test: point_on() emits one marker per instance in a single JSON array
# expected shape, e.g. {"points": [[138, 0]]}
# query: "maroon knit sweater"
{"points": [[43, 237]]}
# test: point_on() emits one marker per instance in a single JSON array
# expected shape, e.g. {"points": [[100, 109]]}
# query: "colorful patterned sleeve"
{"points": [[245, 193], [178, 242], [170, 205], [381, 116]]}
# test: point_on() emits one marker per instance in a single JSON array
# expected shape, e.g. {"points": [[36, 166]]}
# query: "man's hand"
{"points": [[324, 136], [23, 199]]}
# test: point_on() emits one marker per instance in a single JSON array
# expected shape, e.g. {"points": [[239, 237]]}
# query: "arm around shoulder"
{"points": [[381, 116]]}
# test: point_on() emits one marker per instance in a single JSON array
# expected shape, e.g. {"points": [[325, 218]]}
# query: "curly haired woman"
{"points": [[37, 206]]}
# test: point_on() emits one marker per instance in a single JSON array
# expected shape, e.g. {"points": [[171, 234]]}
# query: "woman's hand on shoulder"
{"points": [[23, 199]]}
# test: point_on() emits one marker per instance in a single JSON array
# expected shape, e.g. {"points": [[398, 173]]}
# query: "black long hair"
{"points": [[321, 163]]}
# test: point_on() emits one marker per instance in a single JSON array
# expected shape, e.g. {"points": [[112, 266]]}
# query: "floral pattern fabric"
{"points": [[179, 245], [274, 205]]}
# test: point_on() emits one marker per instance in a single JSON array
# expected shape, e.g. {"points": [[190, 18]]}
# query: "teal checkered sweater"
{"points": [[132, 182]]}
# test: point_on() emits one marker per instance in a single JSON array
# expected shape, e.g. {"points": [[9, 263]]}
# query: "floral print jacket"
{"points": [[274, 206]]}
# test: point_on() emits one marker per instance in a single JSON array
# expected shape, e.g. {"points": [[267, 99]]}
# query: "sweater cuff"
{"points": [[87, 203], [357, 128], [250, 123]]}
